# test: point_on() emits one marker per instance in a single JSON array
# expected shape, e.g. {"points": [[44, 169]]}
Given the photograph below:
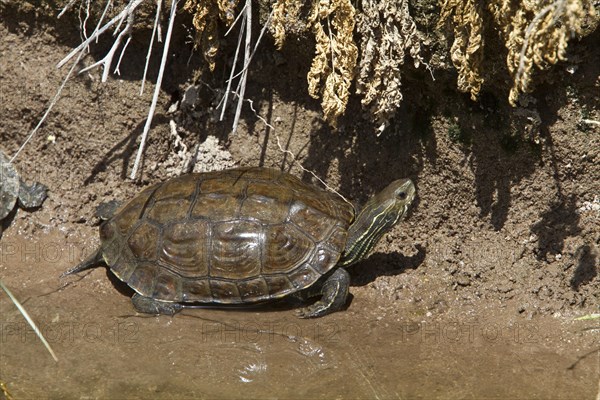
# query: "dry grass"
{"points": [[535, 33], [466, 51], [332, 69], [387, 34], [207, 15]]}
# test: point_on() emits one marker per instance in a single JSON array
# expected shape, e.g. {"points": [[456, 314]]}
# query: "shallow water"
{"points": [[105, 350]]}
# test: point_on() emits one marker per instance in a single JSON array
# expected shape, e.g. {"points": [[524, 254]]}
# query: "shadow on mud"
{"points": [[385, 264]]}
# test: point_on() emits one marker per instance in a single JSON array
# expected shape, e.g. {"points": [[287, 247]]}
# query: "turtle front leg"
{"points": [[334, 292], [149, 305]]}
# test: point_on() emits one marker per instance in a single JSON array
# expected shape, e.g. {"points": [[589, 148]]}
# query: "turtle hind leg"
{"points": [[91, 262], [148, 305], [334, 293]]}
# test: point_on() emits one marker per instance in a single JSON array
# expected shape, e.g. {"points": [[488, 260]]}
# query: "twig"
{"points": [[587, 317], [262, 32], [236, 20], [243, 71], [156, 89], [133, 4], [99, 24], [83, 23], [292, 154], [117, 71], [331, 45], [244, 77], [66, 7], [118, 27], [29, 320], [590, 122], [107, 60], [235, 57], [154, 33], [52, 103]]}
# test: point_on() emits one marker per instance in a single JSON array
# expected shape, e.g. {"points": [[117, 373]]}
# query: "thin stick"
{"points": [[99, 24], [156, 89], [52, 103], [66, 7], [292, 154], [262, 32], [236, 19], [83, 24], [118, 27], [235, 57], [244, 77], [29, 320], [158, 9], [117, 71], [331, 45], [106, 61], [126, 11], [586, 317], [591, 122], [528, 33]]}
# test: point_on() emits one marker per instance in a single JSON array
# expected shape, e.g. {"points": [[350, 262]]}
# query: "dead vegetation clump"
{"points": [[287, 18], [466, 51], [332, 69], [207, 15], [535, 34], [387, 34]]}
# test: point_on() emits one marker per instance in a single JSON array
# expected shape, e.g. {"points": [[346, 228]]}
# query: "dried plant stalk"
{"points": [[206, 22], [286, 13], [387, 34], [467, 49], [536, 33], [332, 68]]}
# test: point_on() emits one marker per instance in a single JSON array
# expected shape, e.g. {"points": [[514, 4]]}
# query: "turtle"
{"points": [[242, 236], [13, 190]]}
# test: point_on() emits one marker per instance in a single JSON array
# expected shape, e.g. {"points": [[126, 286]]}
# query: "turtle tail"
{"points": [[91, 262]]}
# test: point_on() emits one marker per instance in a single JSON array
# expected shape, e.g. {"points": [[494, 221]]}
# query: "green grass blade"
{"points": [[29, 320], [586, 317]]}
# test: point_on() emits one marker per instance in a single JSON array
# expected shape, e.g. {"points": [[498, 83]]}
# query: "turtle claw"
{"points": [[334, 293], [148, 305], [314, 311]]}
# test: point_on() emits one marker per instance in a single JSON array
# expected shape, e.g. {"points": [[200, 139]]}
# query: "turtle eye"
{"points": [[402, 195]]}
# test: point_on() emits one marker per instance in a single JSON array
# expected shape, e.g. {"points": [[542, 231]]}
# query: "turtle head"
{"points": [[378, 216], [392, 202]]}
